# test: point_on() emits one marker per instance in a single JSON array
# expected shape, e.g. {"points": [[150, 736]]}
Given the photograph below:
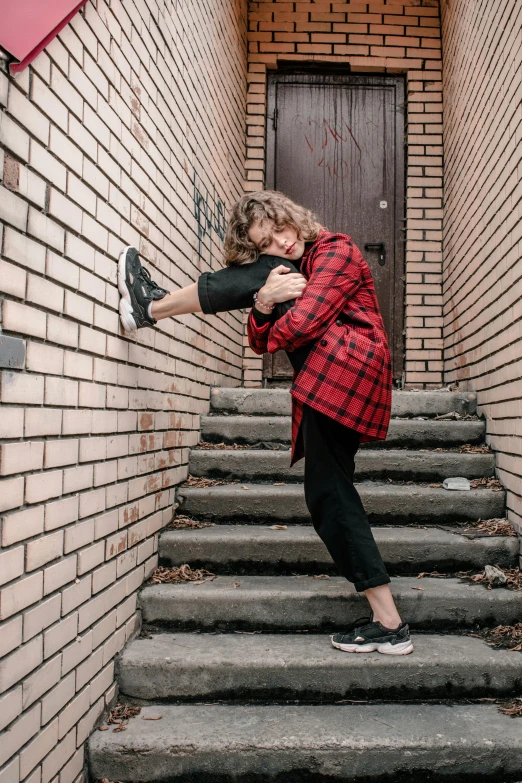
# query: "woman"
{"points": [[341, 394]]}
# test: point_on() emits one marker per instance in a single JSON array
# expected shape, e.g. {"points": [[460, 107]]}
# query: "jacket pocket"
{"points": [[364, 349]]}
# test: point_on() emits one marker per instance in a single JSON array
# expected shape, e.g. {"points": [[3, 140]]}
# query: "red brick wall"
{"points": [[482, 226], [118, 134], [397, 36]]}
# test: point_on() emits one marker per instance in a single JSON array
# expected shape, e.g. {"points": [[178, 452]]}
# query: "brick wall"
{"points": [[396, 36], [482, 223], [127, 129]]}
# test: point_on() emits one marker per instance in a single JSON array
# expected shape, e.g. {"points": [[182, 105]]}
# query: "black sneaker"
{"points": [[365, 635], [137, 291]]}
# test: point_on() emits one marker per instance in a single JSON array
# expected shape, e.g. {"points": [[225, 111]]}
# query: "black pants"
{"points": [[233, 288], [334, 504], [337, 512]]}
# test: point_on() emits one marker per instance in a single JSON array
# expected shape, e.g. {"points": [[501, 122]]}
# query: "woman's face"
{"points": [[282, 242]]}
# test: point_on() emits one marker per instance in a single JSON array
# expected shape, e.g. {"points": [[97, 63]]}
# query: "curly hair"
{"points": [[257, 207]]}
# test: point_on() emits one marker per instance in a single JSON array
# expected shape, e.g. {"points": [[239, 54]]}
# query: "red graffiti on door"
{"points": [[320, 136]]}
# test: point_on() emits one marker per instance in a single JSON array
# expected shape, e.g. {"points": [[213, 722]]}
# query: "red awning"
{"points": [[27, 26]]}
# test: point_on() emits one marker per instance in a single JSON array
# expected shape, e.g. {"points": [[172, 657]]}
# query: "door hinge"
{"points": [[274, 119]]}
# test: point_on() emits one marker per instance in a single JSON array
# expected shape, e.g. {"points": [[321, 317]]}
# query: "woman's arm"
{"points": [[280, 289], [336, 276]]}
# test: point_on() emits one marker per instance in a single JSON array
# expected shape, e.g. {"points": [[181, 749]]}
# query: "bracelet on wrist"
{"points": [[262, 304]]}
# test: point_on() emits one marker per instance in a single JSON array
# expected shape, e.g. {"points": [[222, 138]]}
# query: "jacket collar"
{"points": [[309, 246]]}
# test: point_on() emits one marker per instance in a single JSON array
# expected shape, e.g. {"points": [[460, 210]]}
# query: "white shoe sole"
{"points": [[386, 648], [126, 317]]}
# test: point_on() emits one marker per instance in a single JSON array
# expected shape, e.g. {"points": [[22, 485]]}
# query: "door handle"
{"points": [[381, 248]]}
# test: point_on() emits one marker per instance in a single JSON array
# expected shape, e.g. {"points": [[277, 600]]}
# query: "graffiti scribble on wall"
{"points": [[210, 214]]}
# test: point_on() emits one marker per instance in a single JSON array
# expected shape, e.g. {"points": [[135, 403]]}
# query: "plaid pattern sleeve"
{"points": [[257, 334]]}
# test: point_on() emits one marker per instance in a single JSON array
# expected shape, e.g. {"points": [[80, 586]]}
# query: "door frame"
{"points": [[299, 73]]}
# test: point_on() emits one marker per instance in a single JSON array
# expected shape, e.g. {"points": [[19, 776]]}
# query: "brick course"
{"points": [[379, 37], [117, 134], [482, 228]]}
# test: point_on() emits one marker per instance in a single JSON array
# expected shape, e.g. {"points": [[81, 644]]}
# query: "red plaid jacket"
{"points": [[347, 374]]}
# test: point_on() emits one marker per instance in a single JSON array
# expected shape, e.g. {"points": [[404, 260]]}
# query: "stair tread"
{"points": [[333, 586], [299, 544], [380, 487], [383, 463], [256, 401], [252, 429], [439, 454], [344, 742], [174, 650], [305, 602], [383, 502], [306, 533], [267, 666], [399, 421]]}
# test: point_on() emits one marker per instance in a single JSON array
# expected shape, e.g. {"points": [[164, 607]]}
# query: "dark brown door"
{"points": [[335, 145]]}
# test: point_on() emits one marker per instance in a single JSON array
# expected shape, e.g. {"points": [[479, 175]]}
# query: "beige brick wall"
{"points": [[380, 36], [127, 129], [482, 223]]}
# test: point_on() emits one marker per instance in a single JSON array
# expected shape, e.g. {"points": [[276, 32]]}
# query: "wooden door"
{"points": [[335, 143]]}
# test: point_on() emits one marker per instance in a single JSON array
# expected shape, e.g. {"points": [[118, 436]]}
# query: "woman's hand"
{"points": [[281, 285]]}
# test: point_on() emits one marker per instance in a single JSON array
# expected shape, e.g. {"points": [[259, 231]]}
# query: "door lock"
{"points": [[380, 247]]}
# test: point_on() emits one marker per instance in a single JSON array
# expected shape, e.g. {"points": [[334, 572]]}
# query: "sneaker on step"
{"points": [[365, 635], [137, 290]]}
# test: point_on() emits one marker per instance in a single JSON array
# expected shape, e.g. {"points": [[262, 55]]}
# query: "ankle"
{"points": [[390, 622], [154, 310]]}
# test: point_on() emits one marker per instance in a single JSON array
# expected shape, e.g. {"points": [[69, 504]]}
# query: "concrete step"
{"points": [[250, 549], [403, 432], [384, 503], [266, 465], [280, 667], [305, 743], [277, 402], [289, 603]]}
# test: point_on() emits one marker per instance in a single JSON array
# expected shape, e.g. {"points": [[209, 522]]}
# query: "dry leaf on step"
{"points": [[278, 527]]}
